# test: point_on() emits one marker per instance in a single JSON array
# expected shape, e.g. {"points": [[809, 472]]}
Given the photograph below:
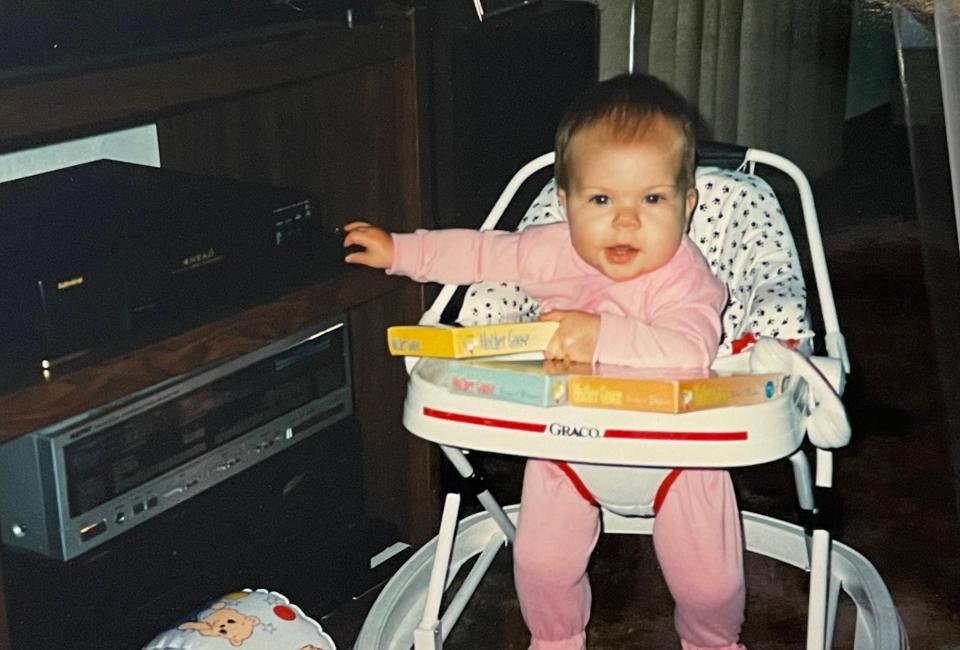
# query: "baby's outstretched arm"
{"points": [[376, 243]]}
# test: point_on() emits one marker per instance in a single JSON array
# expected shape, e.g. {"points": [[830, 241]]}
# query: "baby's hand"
{"points": [[575, 338], [376, 243]]}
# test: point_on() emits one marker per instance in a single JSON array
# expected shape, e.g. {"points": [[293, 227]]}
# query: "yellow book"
{"points": [[468, 342], [641, 391]]}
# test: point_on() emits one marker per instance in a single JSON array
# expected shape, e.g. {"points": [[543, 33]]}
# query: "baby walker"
{"points": [[407, 611]]}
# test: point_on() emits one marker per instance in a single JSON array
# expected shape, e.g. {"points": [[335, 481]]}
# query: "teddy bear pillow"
{"points": [[249, 620]]}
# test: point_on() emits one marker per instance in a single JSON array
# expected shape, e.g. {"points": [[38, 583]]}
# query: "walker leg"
{"points": [[427, 635], [486, 499], [496, 512], [819, 580], [833, 598], [802, 480], [427, 639], [817, 623], [470, 583]]}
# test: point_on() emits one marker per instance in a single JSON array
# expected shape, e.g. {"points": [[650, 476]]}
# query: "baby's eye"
{"points": [[653, 199], [600, 199]]}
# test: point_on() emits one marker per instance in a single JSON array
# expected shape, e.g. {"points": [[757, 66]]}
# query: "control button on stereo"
{"points": [[139, 507], [120, 517], [152, 502], [227, 464], [92, 530]]}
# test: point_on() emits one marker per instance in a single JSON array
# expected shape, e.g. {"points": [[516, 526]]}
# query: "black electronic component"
{"points": [[106, 256]]}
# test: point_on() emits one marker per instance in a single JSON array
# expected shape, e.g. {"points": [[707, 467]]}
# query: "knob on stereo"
{"points": [[92, 530]]}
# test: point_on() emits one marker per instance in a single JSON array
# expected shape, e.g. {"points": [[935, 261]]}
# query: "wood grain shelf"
{"points": [[88, 388], [42, 103]]}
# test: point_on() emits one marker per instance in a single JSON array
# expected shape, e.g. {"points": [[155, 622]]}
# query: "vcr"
{"points": [[99, 258], [71, 486]]}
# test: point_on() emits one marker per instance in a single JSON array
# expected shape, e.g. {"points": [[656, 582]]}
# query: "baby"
{"points": [[626, 287]]}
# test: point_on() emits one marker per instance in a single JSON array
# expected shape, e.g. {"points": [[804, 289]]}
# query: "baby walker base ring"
{"points": [[393, 618]]}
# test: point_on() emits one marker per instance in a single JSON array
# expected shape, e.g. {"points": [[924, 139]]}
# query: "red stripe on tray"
{"points": [[533, 427], [696, 436], [484, 421]]}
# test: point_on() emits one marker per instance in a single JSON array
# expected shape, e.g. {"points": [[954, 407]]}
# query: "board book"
{"points": [[554, 383], [540, 383], [469, 342], [642, 391]]}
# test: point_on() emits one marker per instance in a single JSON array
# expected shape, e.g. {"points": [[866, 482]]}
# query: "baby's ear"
{"points": [[691, 202], [562, 202]]}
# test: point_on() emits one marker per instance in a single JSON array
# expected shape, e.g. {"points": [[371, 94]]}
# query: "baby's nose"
{"points": [[626, 218]]}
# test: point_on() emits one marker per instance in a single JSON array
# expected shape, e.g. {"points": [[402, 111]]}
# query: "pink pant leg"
{"points": [[699, 545], [556, 532]]}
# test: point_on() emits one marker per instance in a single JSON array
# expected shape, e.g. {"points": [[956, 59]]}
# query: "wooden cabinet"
{"points": [[350, 137], [333, 110]]}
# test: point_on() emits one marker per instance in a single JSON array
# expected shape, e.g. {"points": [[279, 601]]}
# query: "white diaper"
{"points": [[627, 491]]}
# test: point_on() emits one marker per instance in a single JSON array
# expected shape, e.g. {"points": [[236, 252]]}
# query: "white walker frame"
{"points": [[407, 611]]}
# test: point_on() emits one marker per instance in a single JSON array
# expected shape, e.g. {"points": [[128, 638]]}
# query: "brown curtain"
{"points": [[764, 73]]}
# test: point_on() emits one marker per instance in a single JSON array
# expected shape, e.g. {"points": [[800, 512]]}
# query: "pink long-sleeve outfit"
{"points": [[668, 318]]}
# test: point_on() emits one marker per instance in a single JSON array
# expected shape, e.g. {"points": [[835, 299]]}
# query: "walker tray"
{"points": [[723, 437]]}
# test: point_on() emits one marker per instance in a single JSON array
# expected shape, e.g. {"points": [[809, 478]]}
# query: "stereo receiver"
{"points": [[70, 486]]}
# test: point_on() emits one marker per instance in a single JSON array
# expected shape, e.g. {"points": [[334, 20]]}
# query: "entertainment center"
{"points": [[317, 105]]}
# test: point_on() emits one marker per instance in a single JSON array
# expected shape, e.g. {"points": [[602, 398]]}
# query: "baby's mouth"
{"points": [[620, 254]]}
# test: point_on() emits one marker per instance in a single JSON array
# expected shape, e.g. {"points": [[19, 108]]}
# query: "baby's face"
{"points": [[627, 216]]}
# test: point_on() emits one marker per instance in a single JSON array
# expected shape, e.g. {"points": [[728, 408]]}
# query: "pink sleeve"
{"points": [[683, 331], [456, 256]]}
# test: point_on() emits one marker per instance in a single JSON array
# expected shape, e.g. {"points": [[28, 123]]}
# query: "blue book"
{"points": [[540, 383]]}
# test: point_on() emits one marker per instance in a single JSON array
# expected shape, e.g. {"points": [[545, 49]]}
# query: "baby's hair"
{"points": [[628, 104]]}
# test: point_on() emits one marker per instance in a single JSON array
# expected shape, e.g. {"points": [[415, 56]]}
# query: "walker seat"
{"points": [[742, 232]]}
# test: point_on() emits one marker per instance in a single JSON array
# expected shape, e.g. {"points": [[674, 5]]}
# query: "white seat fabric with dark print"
{"points": [[739, 227]]}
